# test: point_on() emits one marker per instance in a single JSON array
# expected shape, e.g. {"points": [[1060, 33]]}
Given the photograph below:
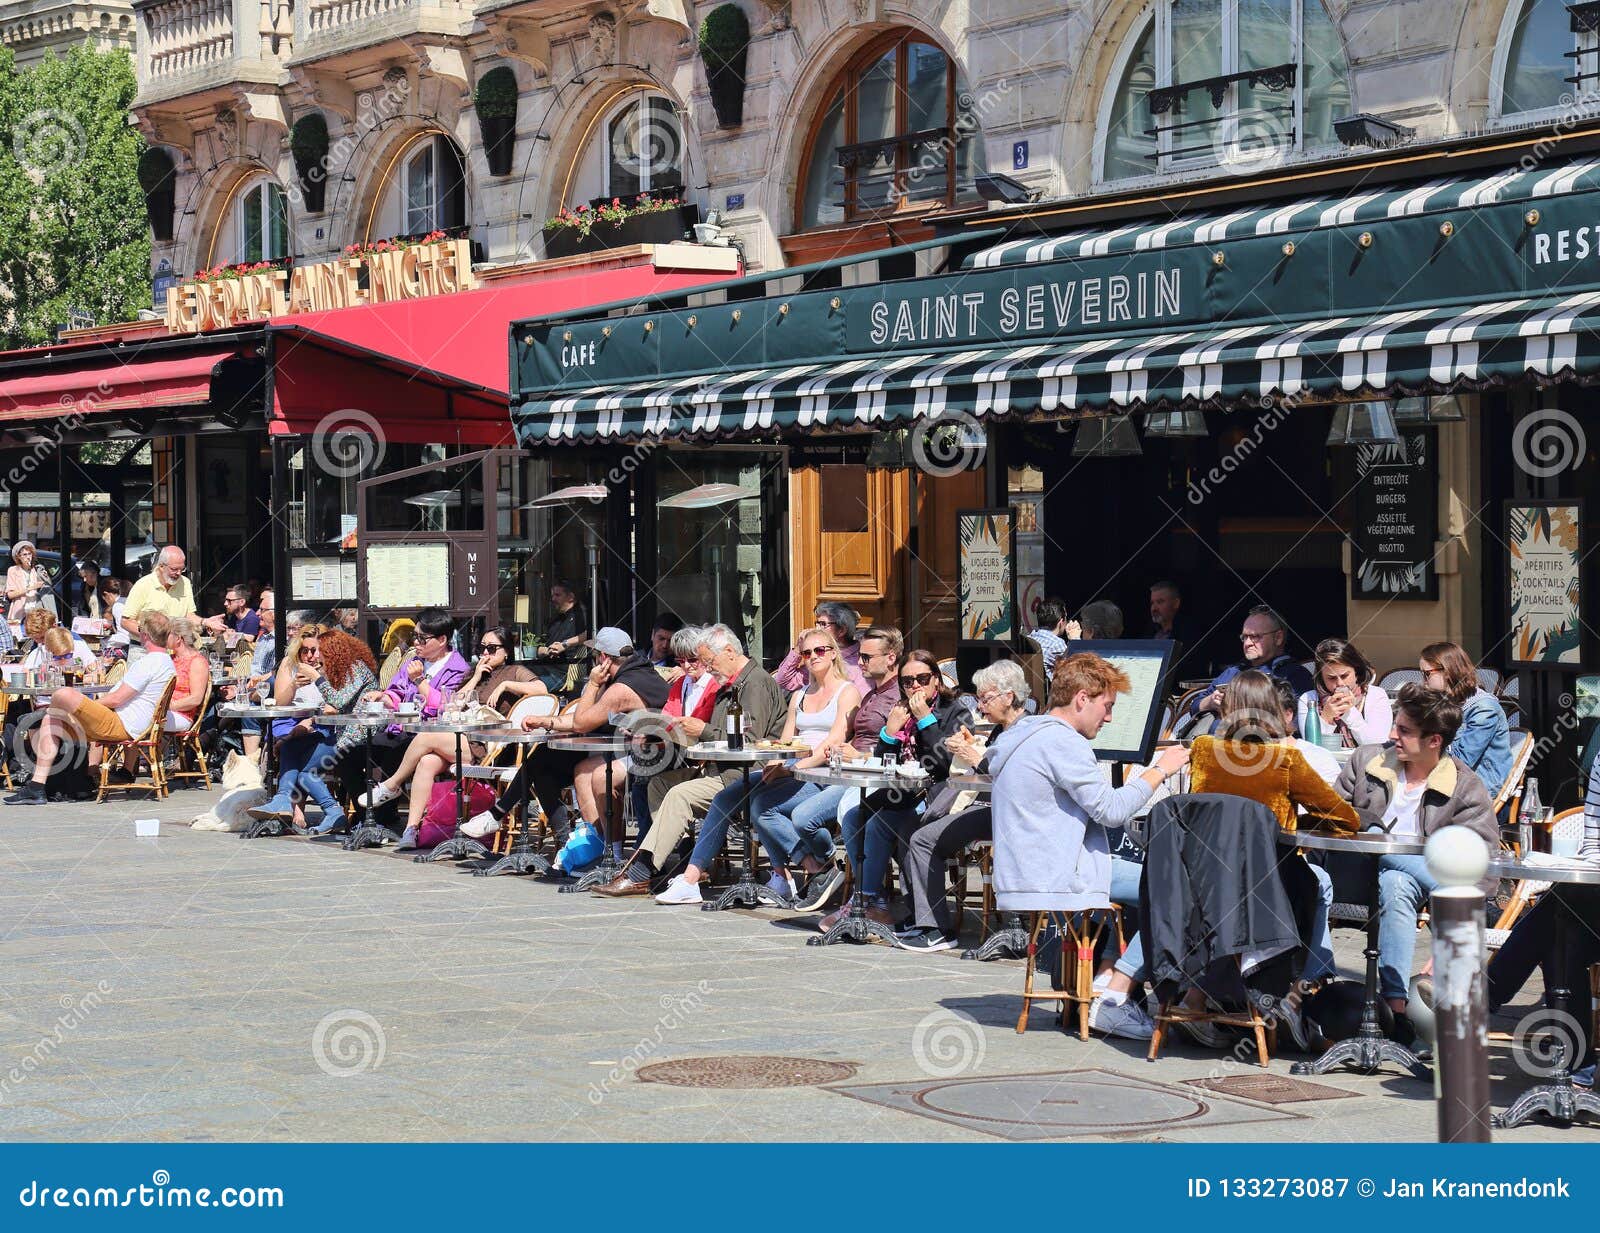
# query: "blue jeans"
{"points": [[773, 807], [814, 818], [871, 837], [1125, 877], [714, 829], [301, 762], [1404, 885], [1319, 962]]}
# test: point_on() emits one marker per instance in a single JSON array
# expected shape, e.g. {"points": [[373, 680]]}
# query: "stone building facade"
{"points": [[30, 28]]}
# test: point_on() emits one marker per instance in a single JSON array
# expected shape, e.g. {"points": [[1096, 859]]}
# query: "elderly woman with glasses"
{"points": [[917, 729], [840, 621]]}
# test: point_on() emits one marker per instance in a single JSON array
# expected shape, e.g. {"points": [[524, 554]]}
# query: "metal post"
{"points": [[1457, 858]]}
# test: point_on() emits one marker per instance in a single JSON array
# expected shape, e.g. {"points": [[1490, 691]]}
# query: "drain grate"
{"points": [[1270, 1089], [746, 1072]]}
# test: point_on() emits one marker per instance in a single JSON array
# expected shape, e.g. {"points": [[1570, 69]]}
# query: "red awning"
{"points": [[465, 335], [324, 384], [133, 382]]}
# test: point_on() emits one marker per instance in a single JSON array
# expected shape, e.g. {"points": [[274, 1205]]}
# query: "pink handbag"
{"points": [[439, 818]]}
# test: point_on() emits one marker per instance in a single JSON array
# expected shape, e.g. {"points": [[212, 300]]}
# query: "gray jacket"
{"points": [[1052, 803], [1454, 796]]}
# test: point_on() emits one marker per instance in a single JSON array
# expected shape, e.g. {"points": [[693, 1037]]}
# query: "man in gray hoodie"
{"points": [[1052, 804]]}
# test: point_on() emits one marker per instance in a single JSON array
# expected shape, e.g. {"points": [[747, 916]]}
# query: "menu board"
{"points": [[1544, 552], [986, 576], [1130, 734], [1396, 509], [327, 579], [408, 576]]}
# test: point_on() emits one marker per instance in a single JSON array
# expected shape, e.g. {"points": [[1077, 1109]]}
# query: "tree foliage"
{"points": [[73, 231]]}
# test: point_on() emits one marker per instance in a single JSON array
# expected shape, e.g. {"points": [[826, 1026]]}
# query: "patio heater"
{"points": [[574, 498], [710, 496]]}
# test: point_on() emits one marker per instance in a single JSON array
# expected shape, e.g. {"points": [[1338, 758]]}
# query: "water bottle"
{"points": [[836, 759], [1313, 732], [1526, 815]]}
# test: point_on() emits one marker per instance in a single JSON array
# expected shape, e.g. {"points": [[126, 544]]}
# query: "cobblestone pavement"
{"points": [[197, 987]]}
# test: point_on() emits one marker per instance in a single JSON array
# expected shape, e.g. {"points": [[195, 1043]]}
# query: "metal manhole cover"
{"points": [[1061, 1104], [1270, 1089], [746, 1072]]}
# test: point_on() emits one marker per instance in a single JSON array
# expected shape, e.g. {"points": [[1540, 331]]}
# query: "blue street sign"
{"points": [[735, 201], [1019, 155]]}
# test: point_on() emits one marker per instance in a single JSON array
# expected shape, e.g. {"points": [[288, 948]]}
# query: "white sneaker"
{"points": [[379, 794], [480, 826], [681, 891], [1125, 1019]]}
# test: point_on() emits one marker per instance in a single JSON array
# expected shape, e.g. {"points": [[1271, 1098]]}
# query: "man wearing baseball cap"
{"points": [[621, 681]]}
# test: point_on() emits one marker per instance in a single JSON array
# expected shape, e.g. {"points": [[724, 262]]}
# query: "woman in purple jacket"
{"points": [[428, 676]]}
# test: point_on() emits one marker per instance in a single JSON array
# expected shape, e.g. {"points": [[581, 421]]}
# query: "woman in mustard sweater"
{"points": [[1250, 756]]}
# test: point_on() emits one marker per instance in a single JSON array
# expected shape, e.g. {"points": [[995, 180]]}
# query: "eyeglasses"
{"points": [[1247, 636], [986, 699], [430, 638], [817, 650], [918, 681], [828, 621]]}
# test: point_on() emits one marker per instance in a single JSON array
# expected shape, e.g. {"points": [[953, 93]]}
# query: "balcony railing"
{"points": [[334, 27], [191, 45], [887, 172]]}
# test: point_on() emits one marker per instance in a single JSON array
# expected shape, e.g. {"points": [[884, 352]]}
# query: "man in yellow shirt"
{"points": [[164, 590]]}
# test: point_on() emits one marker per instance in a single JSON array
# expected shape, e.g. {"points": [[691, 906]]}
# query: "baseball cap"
{"points": [[609, 640]]}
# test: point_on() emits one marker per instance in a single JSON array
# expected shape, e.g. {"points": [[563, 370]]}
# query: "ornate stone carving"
{"points": [[603, 37], [228, 130]]}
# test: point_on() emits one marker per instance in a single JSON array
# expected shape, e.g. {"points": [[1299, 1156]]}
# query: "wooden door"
{"points": [[850, 527], [934, 571]]}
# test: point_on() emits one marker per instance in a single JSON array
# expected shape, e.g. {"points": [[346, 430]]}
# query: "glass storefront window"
{"points": [[709, 560]]}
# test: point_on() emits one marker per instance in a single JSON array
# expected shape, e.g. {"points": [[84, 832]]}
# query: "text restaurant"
{"points": [[1355, 394]]}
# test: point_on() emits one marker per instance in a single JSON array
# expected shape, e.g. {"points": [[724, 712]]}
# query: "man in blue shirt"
{"points": [[1051, 616], [1263, 640]]}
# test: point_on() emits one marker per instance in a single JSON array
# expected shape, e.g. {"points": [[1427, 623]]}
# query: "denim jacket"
{"points": [[1484, 740]]}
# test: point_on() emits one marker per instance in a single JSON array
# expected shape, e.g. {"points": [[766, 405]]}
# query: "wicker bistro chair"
{"points": [[146, 745], [493, 770], [188, 747], [1080, 935]]}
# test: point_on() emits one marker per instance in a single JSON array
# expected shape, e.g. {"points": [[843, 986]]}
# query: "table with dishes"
{"points": [[746, 892], [868, 775]]}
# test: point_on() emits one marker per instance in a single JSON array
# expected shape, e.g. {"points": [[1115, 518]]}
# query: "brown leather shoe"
{"points": [[622, 886]]}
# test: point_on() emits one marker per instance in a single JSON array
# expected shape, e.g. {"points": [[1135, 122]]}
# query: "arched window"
{"points": [[260, 224], [434, 187], [1227, 83], [1545, 44], [643, 148], [899, 129]]}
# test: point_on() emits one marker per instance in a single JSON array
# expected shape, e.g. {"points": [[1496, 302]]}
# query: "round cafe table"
{"points": [[44, 691], [521, 857], [608, 746], [855, 925], [266, 713], [746, 892], [368, 834], [1558, 1100], [458, 844], [1369, 1048]]}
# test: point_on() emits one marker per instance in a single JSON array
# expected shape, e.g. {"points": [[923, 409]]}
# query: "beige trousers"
{"points": [[678, 798]]}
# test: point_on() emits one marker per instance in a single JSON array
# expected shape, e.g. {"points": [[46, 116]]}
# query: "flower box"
{"points": [[659, 227]]}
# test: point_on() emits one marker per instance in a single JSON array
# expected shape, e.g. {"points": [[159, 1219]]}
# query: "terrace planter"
{"points": [[661, 227]]}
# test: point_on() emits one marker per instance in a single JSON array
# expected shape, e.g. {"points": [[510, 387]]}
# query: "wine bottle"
{"points": [[735, 722]]}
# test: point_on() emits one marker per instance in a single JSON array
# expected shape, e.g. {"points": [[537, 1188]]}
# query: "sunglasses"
{"points": [[918, 681], [430, 638], [491, 646], [817, 650]]}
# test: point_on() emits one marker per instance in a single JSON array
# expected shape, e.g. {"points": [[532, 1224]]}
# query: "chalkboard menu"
{"points": [[1396, 503]]}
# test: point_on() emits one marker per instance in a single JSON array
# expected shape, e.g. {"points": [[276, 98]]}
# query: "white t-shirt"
{"points": [[1401, 816], [1318, 758], [118, 635], [148, 678]]}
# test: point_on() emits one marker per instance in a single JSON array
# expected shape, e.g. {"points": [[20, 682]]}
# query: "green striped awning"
{"points": [[1409, 351], [1302, 216]]}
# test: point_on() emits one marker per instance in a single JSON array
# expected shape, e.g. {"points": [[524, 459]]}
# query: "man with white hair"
{"points": [[164, 589], [765, 708]]}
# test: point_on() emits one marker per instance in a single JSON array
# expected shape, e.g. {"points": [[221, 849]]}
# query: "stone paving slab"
{"points": [[197, 987]]}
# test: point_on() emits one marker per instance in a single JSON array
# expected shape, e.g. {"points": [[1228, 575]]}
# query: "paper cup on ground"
{"points": [[146, 828]]}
